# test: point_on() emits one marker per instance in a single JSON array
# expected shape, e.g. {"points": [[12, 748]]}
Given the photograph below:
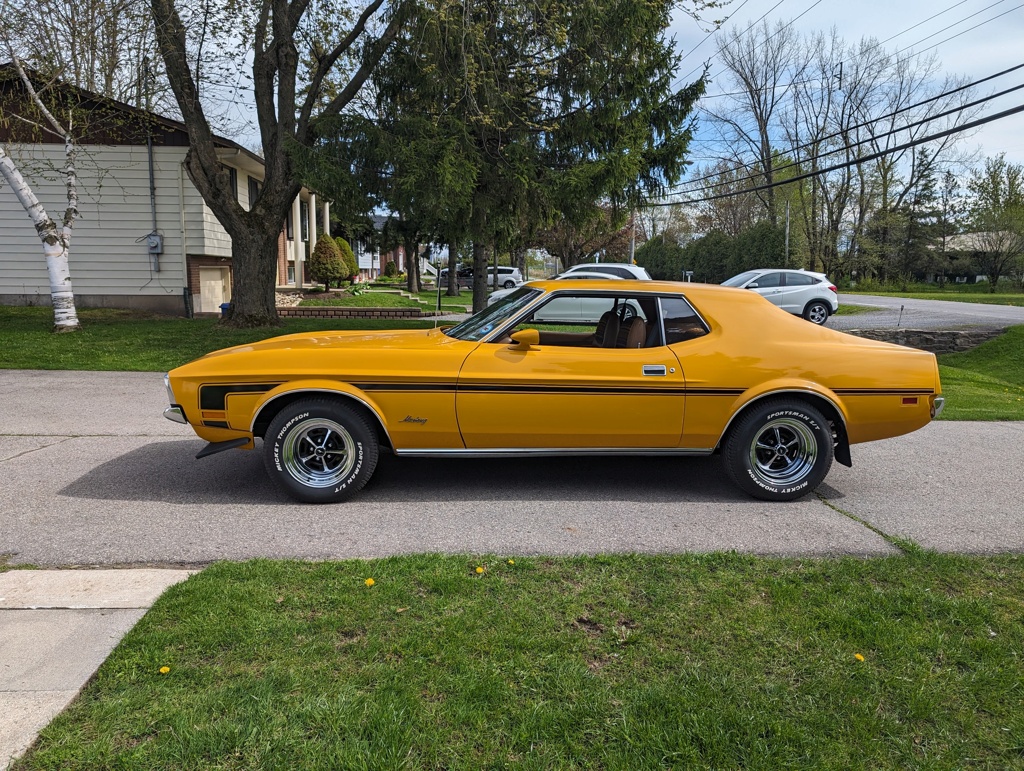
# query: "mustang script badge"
{"points": [[411, 419]]}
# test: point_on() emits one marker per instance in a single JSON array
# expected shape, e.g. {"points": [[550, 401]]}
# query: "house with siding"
{"points": [[145, 238]]}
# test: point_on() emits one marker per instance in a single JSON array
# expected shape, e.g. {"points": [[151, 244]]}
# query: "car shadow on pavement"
{"points": [[168, 472]]}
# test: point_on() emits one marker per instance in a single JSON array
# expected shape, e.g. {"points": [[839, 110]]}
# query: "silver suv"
{"points": [[620, 269], [800, 292]]}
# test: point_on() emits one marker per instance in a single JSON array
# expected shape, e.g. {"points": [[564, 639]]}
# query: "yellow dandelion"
{"points": [[480, 569], [511, 562], [164, 670], [369, 582], [858, 657]]}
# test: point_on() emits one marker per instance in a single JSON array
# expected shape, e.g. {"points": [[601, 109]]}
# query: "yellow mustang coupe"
{"points": [[631, 367]]}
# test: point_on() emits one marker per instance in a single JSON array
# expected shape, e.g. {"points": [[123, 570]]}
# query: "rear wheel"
{"points": [[509, 284], [319, 450], [779, 451], [817, 312]]}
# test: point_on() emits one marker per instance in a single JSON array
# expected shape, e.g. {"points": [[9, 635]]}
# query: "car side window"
{"points": [[768, 280], [591, 321], [800, 279], [681, 320]]}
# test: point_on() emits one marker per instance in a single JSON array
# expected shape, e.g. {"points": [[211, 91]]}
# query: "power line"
{"points": [[719, 26], [855, 161], [874, 120], [906, 48]]}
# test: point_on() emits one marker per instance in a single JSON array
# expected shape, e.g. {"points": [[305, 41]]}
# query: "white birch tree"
{"points": [[55, 236]]}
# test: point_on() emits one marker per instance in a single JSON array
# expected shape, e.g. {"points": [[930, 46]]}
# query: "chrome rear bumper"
{"points": [[937, 404]]}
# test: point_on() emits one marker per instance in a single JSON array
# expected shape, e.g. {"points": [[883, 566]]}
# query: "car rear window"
{"points": [[681, 320], [800, 279]]}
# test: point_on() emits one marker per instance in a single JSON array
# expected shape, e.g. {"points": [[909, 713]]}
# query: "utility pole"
{"points": [[632, 237], [785, 259]]}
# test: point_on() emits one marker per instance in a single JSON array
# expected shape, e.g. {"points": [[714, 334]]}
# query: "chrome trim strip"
{"points": [[725, 430], [542, 452], [175, 415], [344, 394], [655, 370]]}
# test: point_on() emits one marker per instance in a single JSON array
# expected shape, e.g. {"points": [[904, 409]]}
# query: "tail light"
{"points": [[831, 288]]}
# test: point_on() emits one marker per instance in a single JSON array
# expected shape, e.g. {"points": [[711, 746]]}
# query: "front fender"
{"points": [[259, 417]]}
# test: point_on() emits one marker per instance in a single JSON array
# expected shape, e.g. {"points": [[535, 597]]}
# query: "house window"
{"points": [[291, 274], [304, 220], [289, 226], [254, 191], [232, 178]]}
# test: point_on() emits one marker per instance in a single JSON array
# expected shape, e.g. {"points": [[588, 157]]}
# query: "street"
{"points": [[93, 474]]}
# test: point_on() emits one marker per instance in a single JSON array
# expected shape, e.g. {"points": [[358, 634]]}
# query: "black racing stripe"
{"points": [[566, 389], [216, 424], [883, 391], [213, 397], [441, 387]]}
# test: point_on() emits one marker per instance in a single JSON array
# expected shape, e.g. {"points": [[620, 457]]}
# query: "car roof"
{"points": [[635, 285], [783, 270]]}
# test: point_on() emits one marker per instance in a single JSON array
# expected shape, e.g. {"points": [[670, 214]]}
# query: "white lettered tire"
{"points": [[779, 451], [320, 450]]}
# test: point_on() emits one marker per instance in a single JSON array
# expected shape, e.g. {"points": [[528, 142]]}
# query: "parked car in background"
{"points": [[620, 269], [576, 309], [507, 277], [700, 370], [800, 292]]}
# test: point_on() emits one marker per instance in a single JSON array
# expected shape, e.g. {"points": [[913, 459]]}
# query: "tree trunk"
{"points": [[480, 260], [56, 240], [412, 267], [520, 260], [253, 278], [453, 271]]}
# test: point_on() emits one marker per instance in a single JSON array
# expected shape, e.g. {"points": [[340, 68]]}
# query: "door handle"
{"points": [[655, 370]]}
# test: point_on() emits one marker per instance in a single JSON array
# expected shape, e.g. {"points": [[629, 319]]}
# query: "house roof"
{"points": [[110, 122]]}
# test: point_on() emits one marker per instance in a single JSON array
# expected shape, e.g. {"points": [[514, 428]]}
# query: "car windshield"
{"points": [[481, 324], [741, 279]]}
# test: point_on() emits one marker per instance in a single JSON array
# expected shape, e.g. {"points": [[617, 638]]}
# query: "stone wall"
{"points": [[934, 340], [340, 312]]}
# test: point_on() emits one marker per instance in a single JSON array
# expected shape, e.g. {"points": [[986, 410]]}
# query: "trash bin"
{"points": [[224, 308]]}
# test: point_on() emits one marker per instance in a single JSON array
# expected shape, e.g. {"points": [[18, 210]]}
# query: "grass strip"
{"points": [[987, 298], [987, 382], [615, 662], [113, 339]]}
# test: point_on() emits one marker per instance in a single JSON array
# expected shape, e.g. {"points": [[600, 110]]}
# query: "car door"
{"points": [[769, 286], [552, 397], [798, 289]]}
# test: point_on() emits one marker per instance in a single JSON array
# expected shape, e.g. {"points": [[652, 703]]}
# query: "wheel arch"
{"points": [[276, 401], [828, 405]]}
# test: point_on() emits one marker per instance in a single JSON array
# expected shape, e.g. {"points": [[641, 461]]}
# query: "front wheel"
{"points": [[817, 313], [509, 284], [779, 451], [319, 450]]}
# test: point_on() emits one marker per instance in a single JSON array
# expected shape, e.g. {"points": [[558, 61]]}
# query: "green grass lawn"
{"points": [[986, 383], [954, 296], [855, 310], [618, 662], [385, 299], [127, 340]]}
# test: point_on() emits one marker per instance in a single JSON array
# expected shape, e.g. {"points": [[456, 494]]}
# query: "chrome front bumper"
{"points": [[176, 414]]}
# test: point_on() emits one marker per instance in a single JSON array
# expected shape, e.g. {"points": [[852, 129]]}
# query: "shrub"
{"points": [[352, 265], [390, 269], [326, 263]]}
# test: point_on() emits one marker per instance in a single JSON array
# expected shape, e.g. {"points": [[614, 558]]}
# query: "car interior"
{"points": [[631, 321]]}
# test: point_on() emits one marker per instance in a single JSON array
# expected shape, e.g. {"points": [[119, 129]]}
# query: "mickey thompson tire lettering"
{"points": [[322, 450], [779, 450]]}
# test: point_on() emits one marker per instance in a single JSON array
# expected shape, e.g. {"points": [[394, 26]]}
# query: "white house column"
{"points": [[297, 241], [327, 217], [311, 221]]}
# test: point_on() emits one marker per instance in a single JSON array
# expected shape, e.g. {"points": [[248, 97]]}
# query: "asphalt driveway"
{"points": [[924, 314], [93, 474]]}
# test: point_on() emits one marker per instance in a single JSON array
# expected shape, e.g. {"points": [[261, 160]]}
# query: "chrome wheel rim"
{"points": [[817, 314], [319, 452], [783, 452]]}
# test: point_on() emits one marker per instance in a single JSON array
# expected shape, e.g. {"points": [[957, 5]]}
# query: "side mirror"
{"points": [[525, 338], [752, 286]]}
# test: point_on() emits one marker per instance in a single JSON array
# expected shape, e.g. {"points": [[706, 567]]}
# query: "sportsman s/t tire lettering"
{"points": [[320, 450], [780, 450]]}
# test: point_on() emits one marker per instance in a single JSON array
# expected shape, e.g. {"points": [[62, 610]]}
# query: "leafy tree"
{"points": [[662, 258], [325, 263], [996, 212], [709, 257]]}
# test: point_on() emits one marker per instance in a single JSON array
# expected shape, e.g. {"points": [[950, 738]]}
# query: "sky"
{"points": [[996, 44]]}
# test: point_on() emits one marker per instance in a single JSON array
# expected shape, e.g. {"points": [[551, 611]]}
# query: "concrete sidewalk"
{"points": [[56, 628]]}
